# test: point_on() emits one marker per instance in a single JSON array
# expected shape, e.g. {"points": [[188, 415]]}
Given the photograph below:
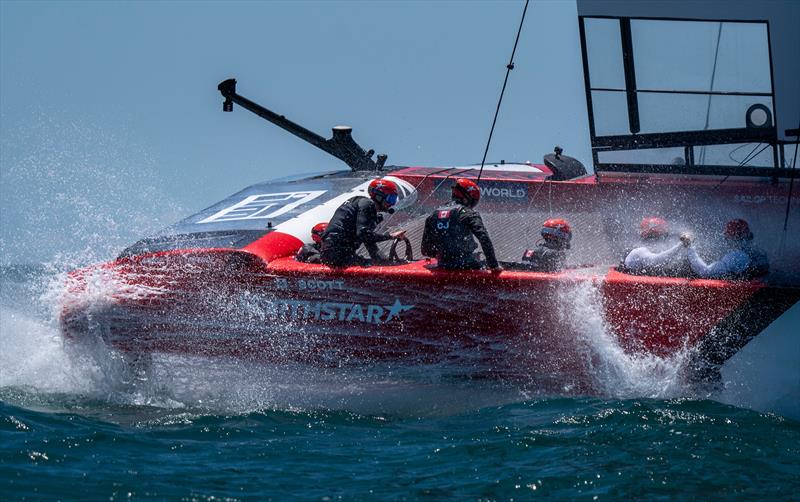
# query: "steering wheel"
{"points": [[393, 251]]}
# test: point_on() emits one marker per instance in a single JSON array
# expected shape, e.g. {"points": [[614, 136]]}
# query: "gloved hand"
{"points": [[686, 239], [398, 235]]}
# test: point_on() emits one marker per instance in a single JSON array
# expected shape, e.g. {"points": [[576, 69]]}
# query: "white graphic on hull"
{"points": [[509, 193], [263, 206], [300, 225], [282, 284], [304, 310]]}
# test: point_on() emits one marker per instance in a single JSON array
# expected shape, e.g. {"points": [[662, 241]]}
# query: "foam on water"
{"points": [[32, 355]]}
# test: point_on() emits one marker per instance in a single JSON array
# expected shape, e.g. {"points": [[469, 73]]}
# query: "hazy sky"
{"points": [[112, 125]]}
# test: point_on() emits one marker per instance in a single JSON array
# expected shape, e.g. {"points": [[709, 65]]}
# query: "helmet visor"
{"points": [[556, 233], [391, 199]]}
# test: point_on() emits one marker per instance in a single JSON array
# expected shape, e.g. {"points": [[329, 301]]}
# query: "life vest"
{"points": [[342, 226], [353, 224], [451, 238], [545, 259]]}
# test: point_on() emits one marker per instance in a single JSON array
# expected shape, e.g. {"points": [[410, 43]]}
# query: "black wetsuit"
{"points": [[309, 253], [545, 258], [352, 225], [448, 238]]}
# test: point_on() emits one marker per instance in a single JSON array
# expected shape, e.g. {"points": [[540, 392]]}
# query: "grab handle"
{"points": [[409, 250]]}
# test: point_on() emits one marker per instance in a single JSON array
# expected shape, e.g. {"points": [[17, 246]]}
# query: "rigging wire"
{"points": [[711, 89], [750, 156], [509, 67], [730, 154], [791, 187]]}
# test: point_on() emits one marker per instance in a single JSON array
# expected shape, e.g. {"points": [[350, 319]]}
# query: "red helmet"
{"points": [[317, 230], [557, 229], [654, 227], [466, 191], [383, 192], [738, 229]]}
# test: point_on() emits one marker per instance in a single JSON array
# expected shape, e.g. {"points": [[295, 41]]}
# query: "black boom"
{"points": [[341, 145]]}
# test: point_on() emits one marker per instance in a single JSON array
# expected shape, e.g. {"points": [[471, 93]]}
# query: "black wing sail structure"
{"points": [[682, 96]]}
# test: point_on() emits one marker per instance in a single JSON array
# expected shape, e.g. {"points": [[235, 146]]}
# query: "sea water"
{"points": [[72, 427]]}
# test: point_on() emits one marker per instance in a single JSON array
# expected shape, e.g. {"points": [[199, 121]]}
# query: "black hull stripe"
{"points": [[739, 327]]}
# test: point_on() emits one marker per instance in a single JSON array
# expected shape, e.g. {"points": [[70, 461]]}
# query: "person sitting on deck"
{"points": [[657, 256], [354, 223], [743, 261], [309, 253], [449, 231], [550, 254]]}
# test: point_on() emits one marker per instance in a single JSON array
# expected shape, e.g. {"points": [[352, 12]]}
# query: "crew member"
{"points": [[309, 253], [550, 254], [449, 231], [354, 223], [743, 261], [656, 256]]}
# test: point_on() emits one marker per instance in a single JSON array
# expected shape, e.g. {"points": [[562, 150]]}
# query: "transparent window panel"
{"points": [[743, 60], [789, 153], [665, 156], [694, 112], [604, 51], [730, 111], [671, 112], [610, 110], [679, 55], [674, 55], [745, 154]]}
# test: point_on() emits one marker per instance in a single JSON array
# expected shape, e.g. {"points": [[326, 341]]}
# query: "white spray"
{"points": [[615, 372]]}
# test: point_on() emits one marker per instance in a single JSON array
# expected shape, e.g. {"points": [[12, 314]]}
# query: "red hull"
{"points": [[521, 325]]}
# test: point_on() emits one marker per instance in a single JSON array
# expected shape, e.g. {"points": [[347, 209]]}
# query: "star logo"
{"points": [[396, 309]]}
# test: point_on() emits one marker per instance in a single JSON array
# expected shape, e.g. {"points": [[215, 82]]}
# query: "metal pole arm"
{"points": [[341, 145]]}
